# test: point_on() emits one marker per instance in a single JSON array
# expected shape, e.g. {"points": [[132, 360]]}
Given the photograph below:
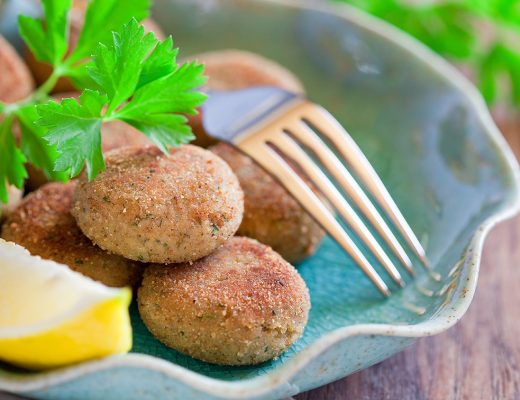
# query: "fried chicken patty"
{"points": [[241, 305], [237, 69], [151, 207], [42, 224], [271, 215], [16, 82]]}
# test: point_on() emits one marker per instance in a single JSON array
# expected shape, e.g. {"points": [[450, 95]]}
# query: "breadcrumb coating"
{"points": [[16, 82], [42, 224], [271, 215], [241, 305], [15, 196], [151, 207]]}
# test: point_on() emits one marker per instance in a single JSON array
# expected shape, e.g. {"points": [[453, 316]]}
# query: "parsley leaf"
{"points": [[163, 129], [35, 148], [75, 128], [140, 83], [173, 93], [116, 67], [501, 62], [81, 78], [12, 169], [101, 18], [47, 41], [149, 110], [482, 33], [160, 63], [120, 79]]}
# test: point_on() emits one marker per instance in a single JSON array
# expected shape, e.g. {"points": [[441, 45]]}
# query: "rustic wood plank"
{"points": [[479, 358]]}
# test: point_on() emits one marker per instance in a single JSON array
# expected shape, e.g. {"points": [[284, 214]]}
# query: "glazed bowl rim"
{"points": [[262, 385]]}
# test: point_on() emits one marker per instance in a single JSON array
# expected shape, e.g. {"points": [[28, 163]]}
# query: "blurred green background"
{"points": [[481, 36]]}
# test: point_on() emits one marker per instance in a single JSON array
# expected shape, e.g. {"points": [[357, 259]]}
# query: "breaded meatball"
{"points": [[271, 215], [238, 69], [15, 196], [117, 134], [151, 207], [42, 224], [41, 71], [16, 82], [241, 305]]}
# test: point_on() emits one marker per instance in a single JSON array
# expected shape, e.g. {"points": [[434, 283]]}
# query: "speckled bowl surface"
{"points": [[430, 137]]}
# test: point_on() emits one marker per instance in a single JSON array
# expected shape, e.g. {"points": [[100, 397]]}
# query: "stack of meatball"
{"points": [[166, 226]]}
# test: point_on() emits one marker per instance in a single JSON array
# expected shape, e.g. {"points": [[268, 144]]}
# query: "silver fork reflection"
{"points": [[272, 126]]}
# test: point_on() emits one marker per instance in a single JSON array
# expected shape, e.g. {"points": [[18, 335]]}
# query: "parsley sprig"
{"points": [[139, 83], [124, 74], [484, 34]]}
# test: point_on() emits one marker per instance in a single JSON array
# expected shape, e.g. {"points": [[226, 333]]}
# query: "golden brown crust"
{"points": [[238, 69], [271, 215], [202, 139], [117, 134], [16, 82], [241, 305], [43, 225], [151, 207], [15, 196]]}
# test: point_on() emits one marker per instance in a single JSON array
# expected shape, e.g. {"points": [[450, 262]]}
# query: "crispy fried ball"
{"points": [[117, 134], [15, 196], [241, 305], [41, 71], [16, 82], [238, 69], [151, 207], [42, 224], [271, 215]]}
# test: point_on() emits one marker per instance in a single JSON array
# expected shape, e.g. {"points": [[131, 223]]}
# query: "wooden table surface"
{"points": [[479, 358]]}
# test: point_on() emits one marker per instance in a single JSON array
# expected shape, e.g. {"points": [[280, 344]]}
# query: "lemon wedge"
{"points": [[51, 316]]}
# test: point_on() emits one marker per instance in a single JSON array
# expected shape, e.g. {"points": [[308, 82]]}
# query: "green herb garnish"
{"points": [[124, 74], [484, 34]]}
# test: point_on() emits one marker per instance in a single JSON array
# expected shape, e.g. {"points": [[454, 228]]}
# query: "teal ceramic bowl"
{"points": [[430, 137]]}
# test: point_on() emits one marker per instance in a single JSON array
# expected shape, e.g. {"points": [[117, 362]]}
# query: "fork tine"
{"points": [[310, 140], [276, 166], [288, 147], [359, 163]]}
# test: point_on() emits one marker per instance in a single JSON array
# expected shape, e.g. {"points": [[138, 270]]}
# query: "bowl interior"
{"points": [[420, 133]]}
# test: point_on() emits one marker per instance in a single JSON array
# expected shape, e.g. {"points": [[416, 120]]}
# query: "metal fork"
{"points": [[273, 126]]}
